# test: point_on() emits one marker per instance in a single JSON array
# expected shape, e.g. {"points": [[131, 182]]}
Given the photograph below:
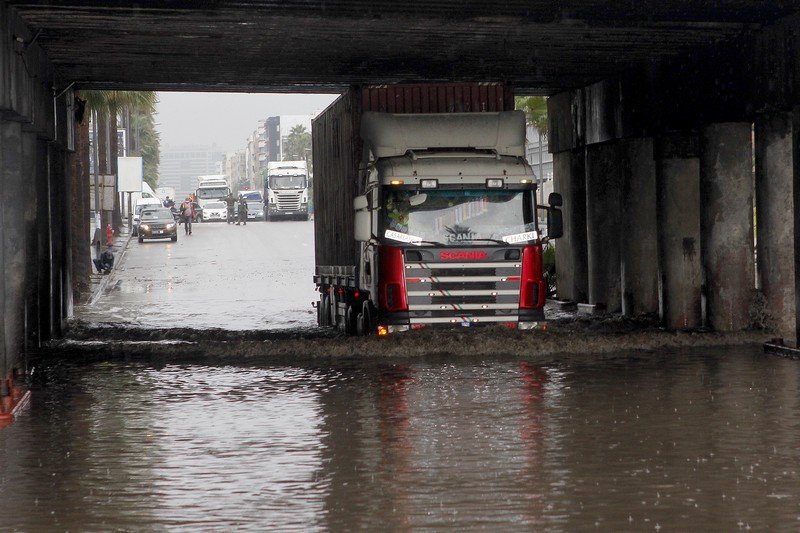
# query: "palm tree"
{"points": [[103, 107], [535, 108]]}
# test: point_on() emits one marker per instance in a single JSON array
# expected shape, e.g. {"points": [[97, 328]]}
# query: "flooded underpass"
{"points": [[685, 439], [196, 393]]}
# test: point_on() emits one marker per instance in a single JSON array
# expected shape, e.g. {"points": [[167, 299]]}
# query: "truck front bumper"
{"points": [[404, 321]]}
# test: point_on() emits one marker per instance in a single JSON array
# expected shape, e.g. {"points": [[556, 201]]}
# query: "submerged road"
{"points": [[257, 276], [691, 441]]}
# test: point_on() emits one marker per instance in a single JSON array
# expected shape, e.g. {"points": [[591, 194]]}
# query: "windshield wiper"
{"points": [[498, 241], [432, 243]]}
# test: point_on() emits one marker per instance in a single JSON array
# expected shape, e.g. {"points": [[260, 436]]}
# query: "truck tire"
{"points": [[141, 239], [324, 311], [366, 319], [350, 321], [361, 326]]}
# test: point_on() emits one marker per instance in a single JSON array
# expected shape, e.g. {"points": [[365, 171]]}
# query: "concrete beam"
{"points": [[569, 179], [776, 138], [678, 173], [639, 244], [27, 80], [727, 224], [604, 224]]}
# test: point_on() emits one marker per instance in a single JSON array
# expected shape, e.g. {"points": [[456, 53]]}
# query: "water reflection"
{"points": [[678, 441]]}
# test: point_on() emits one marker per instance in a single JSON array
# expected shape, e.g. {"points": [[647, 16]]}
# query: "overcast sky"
{"points": [[226, 119]]}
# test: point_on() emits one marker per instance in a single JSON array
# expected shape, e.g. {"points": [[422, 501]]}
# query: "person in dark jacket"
{"points": [[230, 202], [242, 211], [105, 262]]}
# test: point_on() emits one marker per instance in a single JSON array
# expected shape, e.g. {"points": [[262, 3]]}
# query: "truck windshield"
{"points": [[212, 192], [287, 182], [457, 217]]}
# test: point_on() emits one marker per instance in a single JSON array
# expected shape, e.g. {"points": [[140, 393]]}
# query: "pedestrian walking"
{"points": [[230, 202], [242, 211], [187, 215], [109, 235]]}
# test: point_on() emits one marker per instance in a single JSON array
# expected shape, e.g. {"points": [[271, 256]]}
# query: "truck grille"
{"points": [[463, 292], [288, 201]]}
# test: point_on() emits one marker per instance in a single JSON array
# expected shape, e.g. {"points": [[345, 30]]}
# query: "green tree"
{"points": [[298, 144], [535, 108], [105, 107], [148, 145]]}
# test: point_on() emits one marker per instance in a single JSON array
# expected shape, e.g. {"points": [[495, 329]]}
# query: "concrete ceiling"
{"points": [[540, 46]]}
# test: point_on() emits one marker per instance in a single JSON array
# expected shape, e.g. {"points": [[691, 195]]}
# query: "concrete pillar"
{"points": [[13, 240], [639, 246], [678, 174], [4, 362], [776, 139], [569, 179], [31, 259], [604, 224], [43, 249], [726, 170]]}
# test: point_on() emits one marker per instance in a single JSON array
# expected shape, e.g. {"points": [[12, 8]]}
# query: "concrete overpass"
{"points": [[652, 111]]}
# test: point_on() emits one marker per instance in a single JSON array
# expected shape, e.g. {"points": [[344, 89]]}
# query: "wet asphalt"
{"points": [[256, 276]]}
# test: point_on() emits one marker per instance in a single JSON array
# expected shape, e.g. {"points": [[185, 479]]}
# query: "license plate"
{"points": [[158, 232]]}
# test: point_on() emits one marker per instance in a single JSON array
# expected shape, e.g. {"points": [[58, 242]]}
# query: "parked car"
{"points": [[157, 224], [215, 212]]}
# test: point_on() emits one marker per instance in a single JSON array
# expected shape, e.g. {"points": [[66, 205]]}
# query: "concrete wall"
{"points": [[35, 287]]}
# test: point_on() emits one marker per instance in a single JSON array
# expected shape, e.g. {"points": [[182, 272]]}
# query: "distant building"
{"points": [[235, 168], [180, 166], [278, 129]]}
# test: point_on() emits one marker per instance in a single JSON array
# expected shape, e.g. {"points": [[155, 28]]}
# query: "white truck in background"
{"points": [[210, 189], [286, 190]]}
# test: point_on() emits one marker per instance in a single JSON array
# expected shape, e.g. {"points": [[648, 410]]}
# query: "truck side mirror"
{"points": [[555, 222], [362, 223]]}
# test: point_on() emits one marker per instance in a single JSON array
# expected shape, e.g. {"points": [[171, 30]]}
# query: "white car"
{"points": [[215, 212]]}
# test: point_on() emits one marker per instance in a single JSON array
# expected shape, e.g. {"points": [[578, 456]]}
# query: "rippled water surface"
{"points": [[703, 441]]}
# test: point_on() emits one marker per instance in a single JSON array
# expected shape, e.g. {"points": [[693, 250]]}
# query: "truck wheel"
{"points": [[324, 315], [174, 238], [366, 319], [361, 326], [350, 321], [141, 239]]}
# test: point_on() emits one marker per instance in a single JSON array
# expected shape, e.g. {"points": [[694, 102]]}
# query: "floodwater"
{"points": [[696, 440]]}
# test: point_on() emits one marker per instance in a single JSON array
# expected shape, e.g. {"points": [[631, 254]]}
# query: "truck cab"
{"points": [[447, 225], [210, 190], [286, 190]]}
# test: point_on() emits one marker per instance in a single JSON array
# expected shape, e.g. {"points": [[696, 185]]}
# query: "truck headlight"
{"points": [[144, 227], [169, 226]]}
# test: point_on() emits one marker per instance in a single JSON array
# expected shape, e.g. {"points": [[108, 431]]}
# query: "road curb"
{"points": [[106, 279]]}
